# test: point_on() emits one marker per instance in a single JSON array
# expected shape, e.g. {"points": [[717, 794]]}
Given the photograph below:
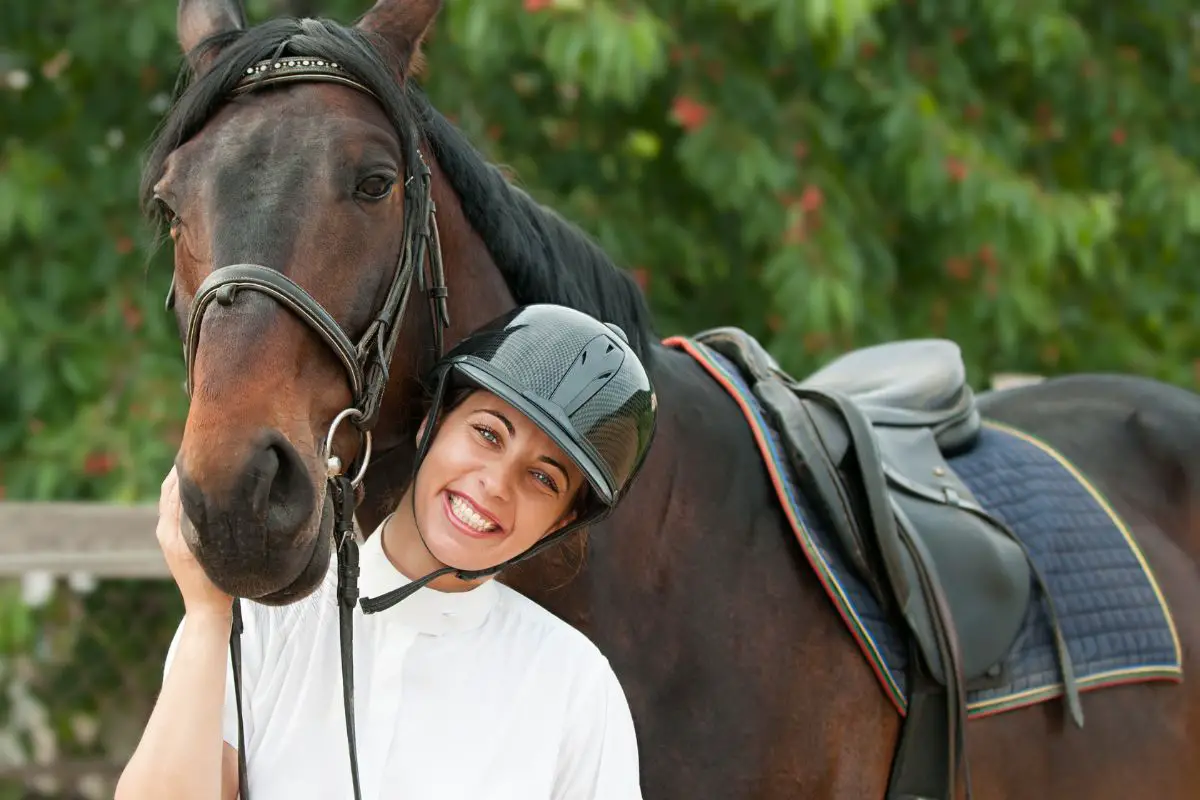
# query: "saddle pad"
{"points": [[1113, 615]]}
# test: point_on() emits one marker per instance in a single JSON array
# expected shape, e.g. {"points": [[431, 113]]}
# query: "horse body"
{"points": [[742, 680]]}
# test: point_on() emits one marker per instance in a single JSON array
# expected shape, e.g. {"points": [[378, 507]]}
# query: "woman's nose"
{"points": [[495, 481]]}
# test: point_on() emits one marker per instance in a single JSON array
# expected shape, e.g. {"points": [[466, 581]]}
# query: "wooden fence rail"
{"points": [[103, 540]]}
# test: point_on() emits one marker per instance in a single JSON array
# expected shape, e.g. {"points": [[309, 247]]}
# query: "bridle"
{"points": [[365, 361]]}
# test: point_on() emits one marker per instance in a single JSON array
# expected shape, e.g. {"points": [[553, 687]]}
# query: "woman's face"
{"points": [[491, 486]]}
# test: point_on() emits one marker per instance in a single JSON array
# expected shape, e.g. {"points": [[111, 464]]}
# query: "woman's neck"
{"points": [[404, 548]]}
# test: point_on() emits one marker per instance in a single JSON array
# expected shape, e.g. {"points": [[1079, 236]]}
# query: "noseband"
{"points": [[365, 361]]}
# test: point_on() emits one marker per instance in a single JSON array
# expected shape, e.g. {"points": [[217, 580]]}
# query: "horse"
{"points": [[742, 679]]}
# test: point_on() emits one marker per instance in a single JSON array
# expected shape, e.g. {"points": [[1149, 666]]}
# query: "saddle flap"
{"points": [[984, 575], [817, 449]]}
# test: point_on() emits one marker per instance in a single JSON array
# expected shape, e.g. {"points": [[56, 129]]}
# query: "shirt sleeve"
{"points": [[599, 759], [251, 666]]}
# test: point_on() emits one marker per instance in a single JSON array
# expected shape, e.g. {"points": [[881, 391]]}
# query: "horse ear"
{"points": [[197, 20], [403, 24]]}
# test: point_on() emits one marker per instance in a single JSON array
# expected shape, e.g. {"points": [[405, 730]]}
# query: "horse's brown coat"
{"points": [[742, 680]]}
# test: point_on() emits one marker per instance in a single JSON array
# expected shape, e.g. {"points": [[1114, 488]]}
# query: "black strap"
{"points": [[347, 594], [889, 521], [223, 284], [235, 656]]}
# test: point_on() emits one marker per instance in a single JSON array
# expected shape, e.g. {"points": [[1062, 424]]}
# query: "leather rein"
{"points": [[365, 361]]}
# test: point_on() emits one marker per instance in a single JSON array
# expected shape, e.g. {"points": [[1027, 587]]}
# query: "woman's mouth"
{"points": [[467, 517]]}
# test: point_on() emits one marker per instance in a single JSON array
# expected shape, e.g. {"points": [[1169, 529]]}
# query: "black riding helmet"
{"points": [[574, 377]]}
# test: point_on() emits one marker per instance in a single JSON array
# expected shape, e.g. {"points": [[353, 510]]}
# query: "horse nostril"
{"points": [[281, 494], [261, 472]]}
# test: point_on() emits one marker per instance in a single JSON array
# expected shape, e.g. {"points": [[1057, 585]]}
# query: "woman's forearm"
{"points": [[180, 753]]}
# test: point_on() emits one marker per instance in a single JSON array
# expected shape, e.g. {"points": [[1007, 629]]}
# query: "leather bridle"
{"points": [[365, 361]]}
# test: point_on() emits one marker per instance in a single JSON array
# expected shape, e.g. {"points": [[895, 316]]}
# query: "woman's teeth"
{"points": [[466, 515]]}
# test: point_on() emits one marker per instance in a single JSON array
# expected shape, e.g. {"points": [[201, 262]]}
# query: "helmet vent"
{"points": [[588, 375]]}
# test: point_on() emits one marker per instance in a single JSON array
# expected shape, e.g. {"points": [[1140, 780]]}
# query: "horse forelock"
{"points": [[200, 97]]}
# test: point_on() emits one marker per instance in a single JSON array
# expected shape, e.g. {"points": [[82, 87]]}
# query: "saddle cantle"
{"points": [[868, 436]]}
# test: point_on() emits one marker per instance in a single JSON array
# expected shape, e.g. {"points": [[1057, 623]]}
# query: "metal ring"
{"points": [[365, 437]]}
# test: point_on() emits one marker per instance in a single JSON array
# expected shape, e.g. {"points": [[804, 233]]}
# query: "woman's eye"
{"points": [[376, 187], [546, 480], [488, 434]]}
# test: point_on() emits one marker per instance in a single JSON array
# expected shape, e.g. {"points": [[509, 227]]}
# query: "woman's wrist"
{"points": [[207, 616]]}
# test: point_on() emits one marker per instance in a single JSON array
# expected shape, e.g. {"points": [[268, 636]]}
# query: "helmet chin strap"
{"points": [[373, 605]]}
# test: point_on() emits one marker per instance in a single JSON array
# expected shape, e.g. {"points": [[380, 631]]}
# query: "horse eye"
{"points": [[376, 187], [165, 209]]}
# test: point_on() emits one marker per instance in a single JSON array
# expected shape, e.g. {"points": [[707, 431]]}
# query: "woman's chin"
{"points": [[462, 551]]}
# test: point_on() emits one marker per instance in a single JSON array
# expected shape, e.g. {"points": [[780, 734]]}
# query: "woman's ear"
{"points": [[421, 431], [563, 521]]}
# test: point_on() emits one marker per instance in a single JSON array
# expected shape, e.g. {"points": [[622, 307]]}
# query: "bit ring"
{"points": [[333, 464]]}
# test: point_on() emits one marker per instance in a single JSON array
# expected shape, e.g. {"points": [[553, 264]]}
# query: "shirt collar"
{"points": [[427, 610]]}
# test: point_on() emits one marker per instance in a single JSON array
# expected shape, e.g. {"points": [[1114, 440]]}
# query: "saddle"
{"points": [[867, 437]]}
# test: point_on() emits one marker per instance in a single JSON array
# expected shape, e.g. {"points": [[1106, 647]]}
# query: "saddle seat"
{"points": [[910, 383]]}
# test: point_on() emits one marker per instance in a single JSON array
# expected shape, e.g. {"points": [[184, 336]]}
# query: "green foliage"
{"points": [[1020, 176]]}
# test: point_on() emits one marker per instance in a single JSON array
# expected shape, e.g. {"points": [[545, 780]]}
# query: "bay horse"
{"points": [[742, 680]]}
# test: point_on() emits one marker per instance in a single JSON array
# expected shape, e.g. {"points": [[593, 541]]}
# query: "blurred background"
{"points": [[1018, 175]]}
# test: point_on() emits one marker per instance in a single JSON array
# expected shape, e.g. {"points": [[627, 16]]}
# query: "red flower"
{"points": [[689, 113], [812, 199], [957, 169], [99, 463]]}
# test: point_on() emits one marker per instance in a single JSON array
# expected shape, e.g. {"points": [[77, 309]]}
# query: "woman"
{"points": [[466, 689]]}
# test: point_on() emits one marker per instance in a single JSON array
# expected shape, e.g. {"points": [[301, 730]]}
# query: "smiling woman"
{"points": [[538, 426]]}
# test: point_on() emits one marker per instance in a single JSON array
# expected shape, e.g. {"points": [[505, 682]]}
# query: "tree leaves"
{"points": [[1019, 175]]}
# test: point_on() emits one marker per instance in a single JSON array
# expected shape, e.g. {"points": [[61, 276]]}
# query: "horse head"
{"points": [[300, 197]]}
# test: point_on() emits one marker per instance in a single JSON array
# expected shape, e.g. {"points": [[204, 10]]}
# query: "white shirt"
{"points": [[477, 695]]}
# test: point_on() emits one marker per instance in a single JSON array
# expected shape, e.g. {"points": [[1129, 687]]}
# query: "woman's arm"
{"points": [[182, 753], [600, 754]]}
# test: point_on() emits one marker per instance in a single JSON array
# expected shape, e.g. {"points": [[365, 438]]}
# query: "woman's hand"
{"points": [[200, 595]]}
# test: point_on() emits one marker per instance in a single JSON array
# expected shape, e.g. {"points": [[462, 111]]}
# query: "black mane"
{"points": [[543, 258]]}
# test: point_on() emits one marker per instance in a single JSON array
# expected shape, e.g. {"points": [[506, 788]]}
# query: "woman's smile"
{"points": [[468, 516]]}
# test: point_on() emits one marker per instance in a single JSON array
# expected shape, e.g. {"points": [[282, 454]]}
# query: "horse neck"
{"points": [[682, 526]]}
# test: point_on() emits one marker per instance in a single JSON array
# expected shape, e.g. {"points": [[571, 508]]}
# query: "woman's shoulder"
{"points": [[522, 619]]}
